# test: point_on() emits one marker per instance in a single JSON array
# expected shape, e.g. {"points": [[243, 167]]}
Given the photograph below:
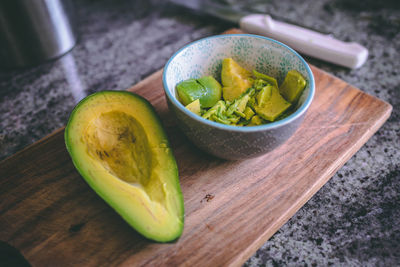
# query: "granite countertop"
{"points": [[352, 221]]}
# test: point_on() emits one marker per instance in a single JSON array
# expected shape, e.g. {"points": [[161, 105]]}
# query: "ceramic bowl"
{"points": [[204, 57]]}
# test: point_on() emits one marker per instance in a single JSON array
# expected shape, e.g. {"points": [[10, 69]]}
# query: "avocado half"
{"points": [[118, 145]]}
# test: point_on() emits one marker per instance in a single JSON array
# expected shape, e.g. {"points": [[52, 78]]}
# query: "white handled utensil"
{"points": [[302, 39], [306, 41]]}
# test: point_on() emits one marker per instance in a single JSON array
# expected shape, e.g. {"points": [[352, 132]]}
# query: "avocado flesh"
{"points": [[195, 107], [275, 106], [235, 79], [292, 86], [266, 78], [118, 145]]}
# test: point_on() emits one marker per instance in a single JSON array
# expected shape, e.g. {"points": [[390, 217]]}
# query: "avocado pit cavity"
{"points": [[118, 141]]}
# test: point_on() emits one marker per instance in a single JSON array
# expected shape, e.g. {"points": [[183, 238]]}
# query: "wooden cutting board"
{"points": [[51, 215]]}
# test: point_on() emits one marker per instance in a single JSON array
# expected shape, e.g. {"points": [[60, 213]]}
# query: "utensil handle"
{"points": [[305, 41]]}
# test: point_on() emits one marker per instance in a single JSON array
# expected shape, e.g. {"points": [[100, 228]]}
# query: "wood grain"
{"points": [[51, 215]]}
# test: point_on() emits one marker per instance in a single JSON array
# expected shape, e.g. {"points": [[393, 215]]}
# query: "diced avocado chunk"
{"points": [[238, 105], [242, 103], [195, 107], [235, 79], [265, 77], [292, 86], [220, 119], [260, 84], [248, 112], [252, 102], [221, 108], [255, 120], [240, 114], [189, 90], [227, 114], [213, 91], [217, 108], [274, 107], [206, 88], [208, 113], [233, 119], [264, 95]]}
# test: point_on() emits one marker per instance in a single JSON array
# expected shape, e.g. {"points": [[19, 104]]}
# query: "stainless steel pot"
{"points": [[34, 31]]}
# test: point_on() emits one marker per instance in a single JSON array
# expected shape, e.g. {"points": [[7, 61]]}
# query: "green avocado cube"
{"points": [[189, 90], [213, 91], [240, 114], [255, 120], [233, 119], [274, 107], [260, 84], [195, 107], [206, 88], [292, 86], [238, 105], [219, 119], [264, 95], [242, 103], [248, 112], [265, 77], [217, 108]]}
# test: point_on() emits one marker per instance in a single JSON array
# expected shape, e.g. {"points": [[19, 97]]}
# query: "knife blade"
{"points": [[306, 41]]}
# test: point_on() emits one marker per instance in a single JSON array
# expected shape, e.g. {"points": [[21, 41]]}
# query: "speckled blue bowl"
{"points": [[204, 57]]}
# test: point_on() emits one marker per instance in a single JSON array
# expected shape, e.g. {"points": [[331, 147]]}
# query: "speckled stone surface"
{"points": [[354, 220]]}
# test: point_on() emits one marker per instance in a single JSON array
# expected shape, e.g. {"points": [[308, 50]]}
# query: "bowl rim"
{"points": [[258, 128]]}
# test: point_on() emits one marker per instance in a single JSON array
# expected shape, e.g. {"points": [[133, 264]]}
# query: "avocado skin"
{"points": [[173, 175], [190, 90], [213, 91], [206, 89]]}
